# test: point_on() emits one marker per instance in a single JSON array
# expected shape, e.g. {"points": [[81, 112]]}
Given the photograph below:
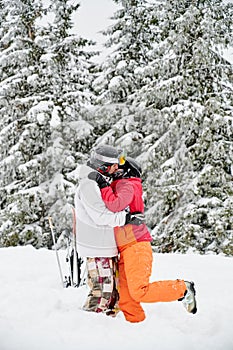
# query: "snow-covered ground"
{"points": [[36, 313]]}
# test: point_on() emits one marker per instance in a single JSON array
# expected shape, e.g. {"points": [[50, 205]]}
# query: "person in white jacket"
{"points": [[95, 223]]}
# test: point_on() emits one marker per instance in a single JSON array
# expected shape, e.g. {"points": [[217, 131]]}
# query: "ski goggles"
{"points": [[121, 159]]}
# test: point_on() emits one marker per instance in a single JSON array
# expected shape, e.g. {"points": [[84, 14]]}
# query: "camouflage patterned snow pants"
{"points": [[102, 281]]}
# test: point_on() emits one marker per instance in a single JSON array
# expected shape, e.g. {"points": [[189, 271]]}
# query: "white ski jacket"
{"points": [[95, 223]]}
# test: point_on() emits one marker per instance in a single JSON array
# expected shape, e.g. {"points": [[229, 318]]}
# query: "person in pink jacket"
{"points": [[133, 242]]}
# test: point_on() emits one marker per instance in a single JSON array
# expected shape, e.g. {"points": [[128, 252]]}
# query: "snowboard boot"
{"points": [[189, 300]]}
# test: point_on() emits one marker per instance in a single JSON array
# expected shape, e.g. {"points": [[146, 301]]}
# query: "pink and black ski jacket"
{"points": [[122, 194]]}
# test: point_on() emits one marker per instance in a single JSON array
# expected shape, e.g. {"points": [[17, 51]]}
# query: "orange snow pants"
{"points": [[135, 267]]}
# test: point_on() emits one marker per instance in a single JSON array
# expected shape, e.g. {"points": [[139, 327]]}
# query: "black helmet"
{"points": [[103, 157], [131, 168]]}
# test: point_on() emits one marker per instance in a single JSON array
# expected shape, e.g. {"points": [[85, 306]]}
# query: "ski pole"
{"points": [[83, 277], [77, 261], [76, 277], [54, 242], [68, 259]]}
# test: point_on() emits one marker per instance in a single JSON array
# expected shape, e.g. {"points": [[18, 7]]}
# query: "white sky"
{"points": [[92, 17]]}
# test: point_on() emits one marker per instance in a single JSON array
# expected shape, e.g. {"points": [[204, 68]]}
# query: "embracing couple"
{"points": [[114, 239]]}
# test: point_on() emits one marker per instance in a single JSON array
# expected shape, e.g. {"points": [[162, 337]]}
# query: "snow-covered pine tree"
{"points": [[185, 116], [18, 65], [130, 42], [44, 88]]}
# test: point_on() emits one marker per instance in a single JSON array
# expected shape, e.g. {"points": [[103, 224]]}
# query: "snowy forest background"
{"points": [[164, 93]]}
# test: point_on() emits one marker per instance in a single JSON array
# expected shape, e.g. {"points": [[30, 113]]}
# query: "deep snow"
{"points": [[36, 313]]}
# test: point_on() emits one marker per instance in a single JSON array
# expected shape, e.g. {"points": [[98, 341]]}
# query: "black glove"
{"points": [[136, 218], [101, 182]]}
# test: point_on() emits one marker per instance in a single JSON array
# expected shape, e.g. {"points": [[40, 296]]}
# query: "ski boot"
{"points": [[189, 300]]}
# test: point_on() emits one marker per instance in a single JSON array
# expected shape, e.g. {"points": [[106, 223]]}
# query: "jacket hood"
{"points": [[84, 171]]}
